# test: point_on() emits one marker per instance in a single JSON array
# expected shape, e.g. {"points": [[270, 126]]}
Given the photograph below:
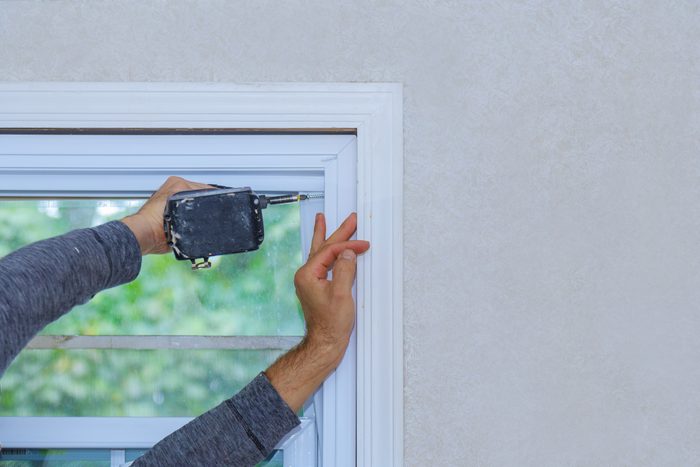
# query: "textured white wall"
{"points": [[552, 178]]}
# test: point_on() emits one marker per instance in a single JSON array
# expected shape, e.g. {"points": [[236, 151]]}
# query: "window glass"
{"points": [[136, 383], [55, 458], [250, 294], [244, 294]]}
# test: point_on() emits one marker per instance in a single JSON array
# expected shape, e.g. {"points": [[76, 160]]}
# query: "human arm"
{"points": [[329, 312], [328, 305], [41, 282], [244, 429]]}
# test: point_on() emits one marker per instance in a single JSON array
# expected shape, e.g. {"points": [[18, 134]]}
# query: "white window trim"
{"points": [[373, 110], [299, 445]]}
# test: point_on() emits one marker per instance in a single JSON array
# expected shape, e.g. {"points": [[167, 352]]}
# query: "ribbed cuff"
{"points": [[263, 413]]}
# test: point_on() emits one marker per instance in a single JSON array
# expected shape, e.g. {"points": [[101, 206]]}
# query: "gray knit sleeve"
{"points": [[42, 281], [241, 431]]}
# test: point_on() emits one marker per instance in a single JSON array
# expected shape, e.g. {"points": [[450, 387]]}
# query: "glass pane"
{"points": [[276, 459], [99, 382], [55, 458], [244, 294], [132, 454]]}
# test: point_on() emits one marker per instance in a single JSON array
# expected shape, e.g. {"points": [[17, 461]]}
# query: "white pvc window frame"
{"points": [[101, 166], [374, 112]]}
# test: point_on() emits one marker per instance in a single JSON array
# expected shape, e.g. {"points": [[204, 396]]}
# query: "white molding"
{"points": [[299, 445], [92, 432], [29, 164], [105, 432], [374, 110]]}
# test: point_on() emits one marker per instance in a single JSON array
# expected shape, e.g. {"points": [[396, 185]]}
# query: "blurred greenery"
{"points": [[105, 382], [244, 294]]}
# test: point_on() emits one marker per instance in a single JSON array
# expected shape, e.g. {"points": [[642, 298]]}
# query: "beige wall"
{"points": [[552, 208]]}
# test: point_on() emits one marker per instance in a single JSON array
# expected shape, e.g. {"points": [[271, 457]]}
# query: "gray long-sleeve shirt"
{"points": [[42, 281]]}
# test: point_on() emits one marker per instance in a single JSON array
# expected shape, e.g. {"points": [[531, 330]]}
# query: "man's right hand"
{"points": [[329, 310]]}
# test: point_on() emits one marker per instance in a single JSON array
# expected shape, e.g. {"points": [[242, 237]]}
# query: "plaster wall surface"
{"points": [[552, 196]]}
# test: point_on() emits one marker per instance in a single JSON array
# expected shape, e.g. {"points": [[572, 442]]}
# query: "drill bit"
{"points": [[291, 198]]}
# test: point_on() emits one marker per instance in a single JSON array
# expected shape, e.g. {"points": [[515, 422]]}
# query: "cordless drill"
{"points": [[216, 221]]}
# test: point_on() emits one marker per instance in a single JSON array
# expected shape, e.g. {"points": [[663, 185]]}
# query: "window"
{"points": [[356, 417], [174, 342]]}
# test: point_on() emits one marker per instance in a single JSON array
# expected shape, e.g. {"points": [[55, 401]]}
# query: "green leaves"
{"points": [[126, 382], [245, 294]]}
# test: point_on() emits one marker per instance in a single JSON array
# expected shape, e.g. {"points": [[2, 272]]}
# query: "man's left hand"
{"points": [[147, 223]]}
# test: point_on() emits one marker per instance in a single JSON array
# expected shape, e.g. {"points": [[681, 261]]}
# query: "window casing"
{"points": [[372, 110]]}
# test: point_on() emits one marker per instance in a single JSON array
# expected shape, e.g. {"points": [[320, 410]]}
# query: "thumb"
{"points": [[344, 272]]}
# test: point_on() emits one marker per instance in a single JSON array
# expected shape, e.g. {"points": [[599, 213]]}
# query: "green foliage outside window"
{"points": [[245, 294]]}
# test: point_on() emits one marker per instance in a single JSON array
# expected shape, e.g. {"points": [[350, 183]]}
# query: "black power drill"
{"points": [[216, 221]]}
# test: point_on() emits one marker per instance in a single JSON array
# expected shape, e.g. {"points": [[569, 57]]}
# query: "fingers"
{"points": [[344, 273], [345, 231], [319, 264], [174, 184], [319, 233], [197, 185]]}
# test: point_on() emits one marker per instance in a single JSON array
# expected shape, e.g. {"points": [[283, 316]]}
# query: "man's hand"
{"points": [[329, 310], [147, 223]]}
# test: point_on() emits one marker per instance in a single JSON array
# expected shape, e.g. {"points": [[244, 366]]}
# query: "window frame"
{"points": [[37, 166], [374, 112]]}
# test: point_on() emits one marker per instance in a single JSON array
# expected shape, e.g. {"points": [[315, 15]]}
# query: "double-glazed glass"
{"points": [[247, 294]]}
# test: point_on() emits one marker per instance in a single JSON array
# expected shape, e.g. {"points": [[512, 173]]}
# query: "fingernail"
{"points": [[348, 254]]}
